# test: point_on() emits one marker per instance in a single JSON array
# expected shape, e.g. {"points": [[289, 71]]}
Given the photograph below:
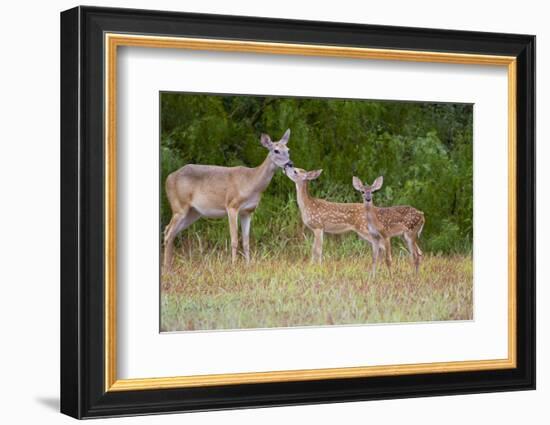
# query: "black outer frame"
{"points": [[82, 212]]}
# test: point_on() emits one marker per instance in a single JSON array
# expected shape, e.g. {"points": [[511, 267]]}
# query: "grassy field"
{"points": [[205, 291]]}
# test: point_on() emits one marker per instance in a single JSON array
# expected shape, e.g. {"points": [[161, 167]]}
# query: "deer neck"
{"points": [[263, 174], [375, 226], [302, 194], [370, 208]]}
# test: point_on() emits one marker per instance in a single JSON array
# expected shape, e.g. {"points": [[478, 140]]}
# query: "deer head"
{"points": [[367, 190], [299, 175], [279, 153]]}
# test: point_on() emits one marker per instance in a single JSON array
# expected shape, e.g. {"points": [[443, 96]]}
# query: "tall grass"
{"points": [[283, 289]]}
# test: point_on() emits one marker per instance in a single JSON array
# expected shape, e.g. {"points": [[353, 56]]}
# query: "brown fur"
{"points": [[385, 223], [212, 191], [322, 216]]}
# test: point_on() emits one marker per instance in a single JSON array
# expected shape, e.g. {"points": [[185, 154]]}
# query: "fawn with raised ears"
{"points": [[326, 217], [211, 191], [385, 223]]}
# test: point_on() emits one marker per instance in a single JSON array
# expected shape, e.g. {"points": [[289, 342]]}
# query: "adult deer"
{"points": [[385, 223], [196, 191], [323, 216]]}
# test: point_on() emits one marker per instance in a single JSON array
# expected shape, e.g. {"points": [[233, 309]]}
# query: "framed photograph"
{"points": [[261, 212]]}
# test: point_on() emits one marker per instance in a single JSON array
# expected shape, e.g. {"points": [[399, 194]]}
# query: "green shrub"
{"points": [[423, 150]]}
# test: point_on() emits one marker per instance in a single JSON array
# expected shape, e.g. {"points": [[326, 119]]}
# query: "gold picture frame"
{"points": [[114, 41]]}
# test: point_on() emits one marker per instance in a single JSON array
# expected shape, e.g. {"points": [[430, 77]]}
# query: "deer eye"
{"points": [[276, 150]]}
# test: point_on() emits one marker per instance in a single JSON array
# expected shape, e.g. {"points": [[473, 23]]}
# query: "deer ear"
{"points": [[377, 183], [266, 142], [357, 184], [312, 175], [286, 136]]}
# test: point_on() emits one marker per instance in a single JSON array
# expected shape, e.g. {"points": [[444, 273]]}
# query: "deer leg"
{"points": [[233, 215], [416, 235], [179, 222], [380, 246], [245, 229], [412, 247], [387, 248], [419, 255], [375, 252], [317, 245], [418, 250], [169, 241]]}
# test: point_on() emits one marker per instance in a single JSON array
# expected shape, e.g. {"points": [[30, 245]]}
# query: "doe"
{"points": [[196, 191]]}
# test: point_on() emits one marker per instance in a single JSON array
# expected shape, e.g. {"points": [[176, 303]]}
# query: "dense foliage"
{"points": [[423, 150]]}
